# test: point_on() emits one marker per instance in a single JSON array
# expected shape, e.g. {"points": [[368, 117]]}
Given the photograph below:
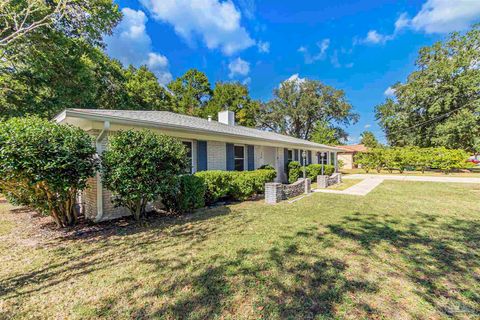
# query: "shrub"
{"points": [[139, 166], [448, 159], [187, 196], [248, 183], [266, 166], [217, 184], [294, 171], [366, 160], [237, 185], [314, 170], [44, 165]]}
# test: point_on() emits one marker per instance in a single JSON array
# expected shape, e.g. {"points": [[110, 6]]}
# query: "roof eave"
{"points": [[75, 113]]}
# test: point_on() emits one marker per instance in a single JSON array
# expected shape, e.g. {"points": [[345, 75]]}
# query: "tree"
{"points": [[191, 92], [298, 105], [144, 92], [368, 139], [61, 64], [439, 105], [235, 97], [44, 165], [85, 19], [328, 134], [139, 166]]}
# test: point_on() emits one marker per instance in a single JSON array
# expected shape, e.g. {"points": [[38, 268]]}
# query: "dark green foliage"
{"points": [[439, 103], [234, 184], [139, 166], [298, 106], [235, 97], [294, 171], [44, 165], [368, 139], [191, 92], [314, 170], [187, 196], [217, 183]]}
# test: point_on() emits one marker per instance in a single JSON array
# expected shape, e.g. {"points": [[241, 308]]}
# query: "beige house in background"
{"points": [[347, 155]]}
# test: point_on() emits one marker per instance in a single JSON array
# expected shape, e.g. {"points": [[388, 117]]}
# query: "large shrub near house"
{"points": [[294, 171], [187, 195], [236, 185], [139, 166], [44, 165]]}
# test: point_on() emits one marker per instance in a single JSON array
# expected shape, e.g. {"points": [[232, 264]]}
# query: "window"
{"points": [[290, 156], [188, 147], [239, 158], [323, 159]]}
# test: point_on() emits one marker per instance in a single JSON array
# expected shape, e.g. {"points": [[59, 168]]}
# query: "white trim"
{"points": [[99, 149], [192, 160], [245, 156]]}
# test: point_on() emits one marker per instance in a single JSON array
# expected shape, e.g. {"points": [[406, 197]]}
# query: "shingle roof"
{"points": [[354, 148], [180, 121]]}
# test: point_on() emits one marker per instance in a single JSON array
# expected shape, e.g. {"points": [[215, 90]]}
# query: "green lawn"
{"points": [[475, 174], [406, 250]]}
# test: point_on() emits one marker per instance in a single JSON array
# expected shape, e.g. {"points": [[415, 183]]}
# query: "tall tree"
{"points": [[439, 104], [144, 91], [325, 133], [298, 105], [235, 97], [60, 64], [191, 92], [368, 139]]}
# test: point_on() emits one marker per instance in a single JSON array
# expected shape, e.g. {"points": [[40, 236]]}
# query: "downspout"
{"points": [[98, 146]]}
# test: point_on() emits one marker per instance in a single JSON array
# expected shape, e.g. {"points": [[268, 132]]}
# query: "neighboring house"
{"points": [[212, 145], [348, 153]]}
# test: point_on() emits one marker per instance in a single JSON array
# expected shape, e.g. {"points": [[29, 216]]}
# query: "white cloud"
{"points": [[374, 37], [320, 55], [443, 16], [334, 60], [248, 8], [238, 67], [131, 44], [263, 47], [367, 126], [247, 81], [389, 92], [216, 22], [402, 22]]}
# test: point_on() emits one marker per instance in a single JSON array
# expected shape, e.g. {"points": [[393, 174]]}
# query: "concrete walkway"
{"points": [[371, 181], [360, 189]]}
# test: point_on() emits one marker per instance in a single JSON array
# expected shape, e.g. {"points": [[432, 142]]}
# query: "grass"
{"points": [[406, 250], [345, 184], [475, 174]]}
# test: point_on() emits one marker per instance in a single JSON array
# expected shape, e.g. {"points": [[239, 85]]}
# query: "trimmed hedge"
{"points": [[187, 196], [294, 171], [237, 185]]}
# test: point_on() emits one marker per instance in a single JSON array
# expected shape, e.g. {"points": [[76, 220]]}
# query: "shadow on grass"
{"points": [[441, 256]]}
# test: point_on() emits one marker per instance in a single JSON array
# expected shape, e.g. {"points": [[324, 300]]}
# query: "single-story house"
{"points": [[211, 145], [347, 154]]}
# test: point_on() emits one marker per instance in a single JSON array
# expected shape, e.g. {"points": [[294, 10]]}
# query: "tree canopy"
{"points": [[235, 97], [299, 105], [191, 92], [368, 139], [439, 104], [325, 133]]}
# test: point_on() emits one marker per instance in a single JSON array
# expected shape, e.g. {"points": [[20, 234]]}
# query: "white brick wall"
{"points": [[216, 155]]}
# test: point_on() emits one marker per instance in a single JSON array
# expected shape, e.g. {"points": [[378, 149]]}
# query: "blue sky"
{"points": [[362, 47]]}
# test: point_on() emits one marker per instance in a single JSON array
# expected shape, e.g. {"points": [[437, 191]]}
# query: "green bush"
{"points": [[187, 196], [237, 185], [248, 183], [139, 166], [412, 157], [314, 170], [217, 184], [294, 171], [266, 166], [44, 165]]}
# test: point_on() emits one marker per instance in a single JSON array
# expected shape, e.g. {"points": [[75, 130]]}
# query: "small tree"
{"points": [[44, 165], [366, 160], [139, 166]]}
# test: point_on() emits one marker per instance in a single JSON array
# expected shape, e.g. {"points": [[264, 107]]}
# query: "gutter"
{"points": [[98, 146]]}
